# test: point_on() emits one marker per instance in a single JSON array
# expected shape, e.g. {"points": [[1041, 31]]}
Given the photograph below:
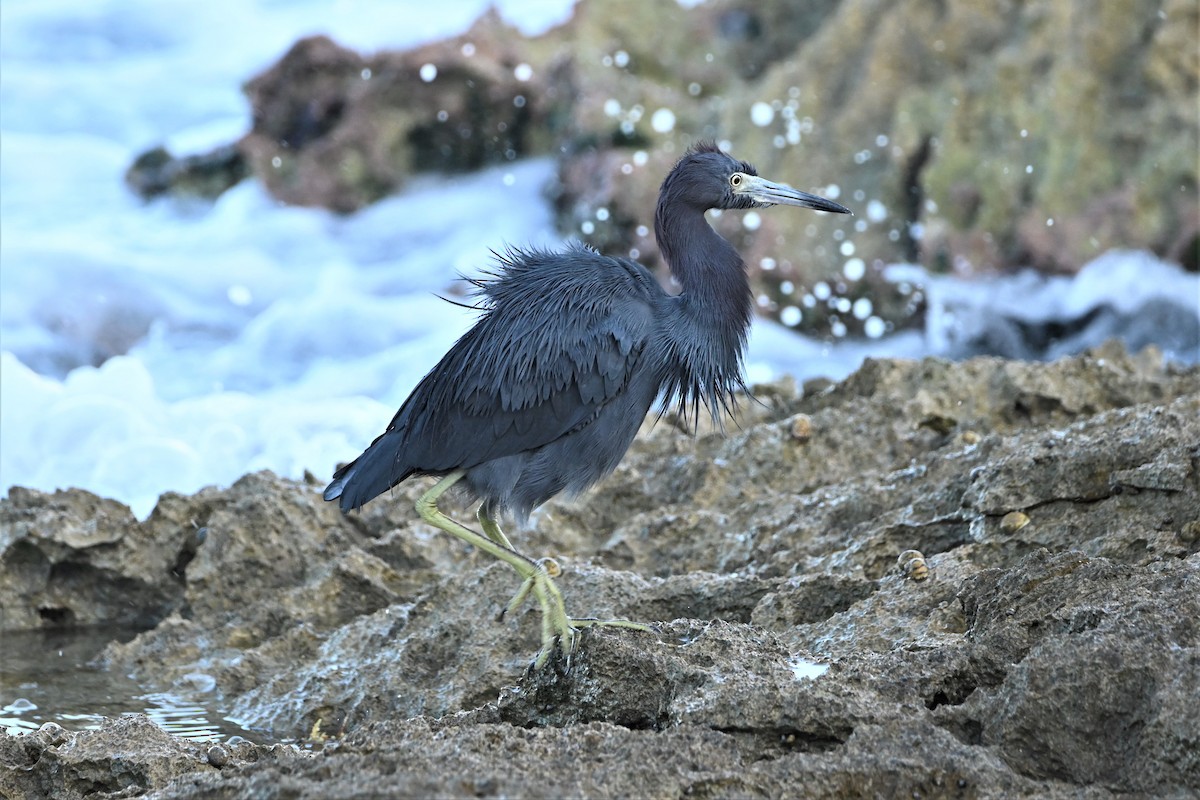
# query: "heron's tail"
{"points": [[378, 469], [338, 485]]}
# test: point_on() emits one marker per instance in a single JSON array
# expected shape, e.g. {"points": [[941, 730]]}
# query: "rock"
{"points": [[1058, 657], [337, 129], [156, 172], [72, 559], [126, 757], [1082, 666], [1131, 296], [945, 131]]}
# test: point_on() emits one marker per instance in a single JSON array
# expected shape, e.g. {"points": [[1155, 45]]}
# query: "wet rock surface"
{"points": [[127, 757], [1052, 648]]}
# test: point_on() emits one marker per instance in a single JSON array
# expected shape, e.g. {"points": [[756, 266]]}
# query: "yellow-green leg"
{"points": [[553, 570], [537, 576], [491, 528]]}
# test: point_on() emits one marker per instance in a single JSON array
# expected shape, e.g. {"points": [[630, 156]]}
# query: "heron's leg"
{"points": [[536, 579], [553, 570], [493, 531], [491, 528]]}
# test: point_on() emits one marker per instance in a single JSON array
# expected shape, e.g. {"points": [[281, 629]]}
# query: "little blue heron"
{"points": [[548, 389]]}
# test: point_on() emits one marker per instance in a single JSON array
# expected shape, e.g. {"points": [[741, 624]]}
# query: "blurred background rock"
{"points": [[970, 137]]}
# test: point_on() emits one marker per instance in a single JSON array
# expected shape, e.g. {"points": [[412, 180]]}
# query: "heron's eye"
{"points": [[735, 180]]}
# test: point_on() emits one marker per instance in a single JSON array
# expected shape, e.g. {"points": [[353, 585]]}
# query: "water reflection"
{"points": [[49, 676]]}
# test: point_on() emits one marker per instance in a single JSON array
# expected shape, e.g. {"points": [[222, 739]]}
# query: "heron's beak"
{"points": [[761, 190]]}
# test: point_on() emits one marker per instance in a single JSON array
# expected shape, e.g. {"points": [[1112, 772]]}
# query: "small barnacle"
{"points": [[913, 565], [1013, 521], [802, 428]]}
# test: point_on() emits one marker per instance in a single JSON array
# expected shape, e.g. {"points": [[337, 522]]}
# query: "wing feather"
{"points": [[559, 336]]}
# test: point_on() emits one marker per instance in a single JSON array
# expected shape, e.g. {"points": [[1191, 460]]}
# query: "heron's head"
{"points": [[708, 177]]}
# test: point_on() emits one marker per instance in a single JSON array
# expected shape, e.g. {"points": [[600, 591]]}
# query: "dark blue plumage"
{"points": [[561, 337], [548, 389]]}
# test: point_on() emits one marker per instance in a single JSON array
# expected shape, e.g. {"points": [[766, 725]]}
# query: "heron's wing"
{"points": [[560, 336]]}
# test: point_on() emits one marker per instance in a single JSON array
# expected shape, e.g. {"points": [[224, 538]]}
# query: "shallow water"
{"points": [[48, 676]]}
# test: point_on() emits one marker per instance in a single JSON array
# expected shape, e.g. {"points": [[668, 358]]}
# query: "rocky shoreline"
{"points": [[1053, 650]]}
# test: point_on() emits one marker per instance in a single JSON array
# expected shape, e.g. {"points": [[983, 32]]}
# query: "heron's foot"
{"points": [[570, 642], [551, 569], [556, 625], [558, 628]]}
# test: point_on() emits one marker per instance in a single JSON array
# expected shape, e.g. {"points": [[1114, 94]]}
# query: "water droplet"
{"points": [[761, 114], [20, 705]]}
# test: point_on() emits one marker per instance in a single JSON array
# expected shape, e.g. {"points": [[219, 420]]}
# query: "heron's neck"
{"points": [[712, 275], [705, 337]]}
